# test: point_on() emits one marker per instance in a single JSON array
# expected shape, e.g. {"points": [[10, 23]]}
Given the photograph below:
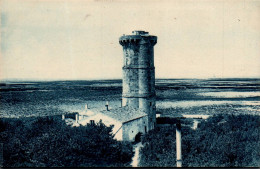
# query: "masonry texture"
{"points": [[138, 73]]}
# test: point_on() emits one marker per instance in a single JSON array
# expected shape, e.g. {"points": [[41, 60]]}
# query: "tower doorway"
{"points": [[138, 137]]}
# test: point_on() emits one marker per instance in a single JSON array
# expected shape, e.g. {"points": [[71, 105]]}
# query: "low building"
{"points": [[128, 122]]}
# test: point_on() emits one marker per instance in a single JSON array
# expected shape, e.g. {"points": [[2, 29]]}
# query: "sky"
{"points": [[65, 39]]}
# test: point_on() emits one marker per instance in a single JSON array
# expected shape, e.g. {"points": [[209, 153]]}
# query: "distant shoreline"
{"points": [[118, 79]]}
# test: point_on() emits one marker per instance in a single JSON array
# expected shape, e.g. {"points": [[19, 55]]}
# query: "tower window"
{"points": [[150, 103]]}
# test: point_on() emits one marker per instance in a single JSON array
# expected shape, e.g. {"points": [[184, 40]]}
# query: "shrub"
{"points": [[220, 141], [49, 142]]}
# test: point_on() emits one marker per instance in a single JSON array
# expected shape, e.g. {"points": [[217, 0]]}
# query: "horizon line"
{"points": [[94, 79]]}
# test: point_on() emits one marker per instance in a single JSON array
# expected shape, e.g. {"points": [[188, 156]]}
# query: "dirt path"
{"points": [[136, 158]]}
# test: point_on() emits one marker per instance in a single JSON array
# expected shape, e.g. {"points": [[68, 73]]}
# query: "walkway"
{"points": [[136, 158]]}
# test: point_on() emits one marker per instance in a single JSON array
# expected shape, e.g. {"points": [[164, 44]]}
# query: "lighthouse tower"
{"points": [[139, 73]]}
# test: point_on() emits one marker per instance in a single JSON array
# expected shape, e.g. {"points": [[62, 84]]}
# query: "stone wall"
{"points": [[138, 73], [132, 128]]}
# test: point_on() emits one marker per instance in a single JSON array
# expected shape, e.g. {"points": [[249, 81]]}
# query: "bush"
{"points": [[49, 142], [159, 148], [220, 141]]}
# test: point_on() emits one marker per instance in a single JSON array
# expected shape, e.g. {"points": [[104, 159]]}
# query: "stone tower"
{"points": [[138, 73]]}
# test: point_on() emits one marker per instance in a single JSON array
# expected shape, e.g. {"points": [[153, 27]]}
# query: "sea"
{"points": [[179, 96]]}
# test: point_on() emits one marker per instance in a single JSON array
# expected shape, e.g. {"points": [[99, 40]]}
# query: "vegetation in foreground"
{"points": [[49, 142], [220, 141]]}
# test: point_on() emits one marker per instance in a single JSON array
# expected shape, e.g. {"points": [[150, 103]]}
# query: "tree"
{"points": [[220, 141], [49, 142]]}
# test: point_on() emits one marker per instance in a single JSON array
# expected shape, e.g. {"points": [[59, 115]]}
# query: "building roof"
{"points": [[92, 111], [124, 114]]}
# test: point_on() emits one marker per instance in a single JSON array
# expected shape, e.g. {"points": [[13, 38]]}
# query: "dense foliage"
{"points": [[220, 141], [159, 148], [49, 142]]}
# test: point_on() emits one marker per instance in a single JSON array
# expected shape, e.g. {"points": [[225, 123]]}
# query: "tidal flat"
{"points": [[173, 96]]}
